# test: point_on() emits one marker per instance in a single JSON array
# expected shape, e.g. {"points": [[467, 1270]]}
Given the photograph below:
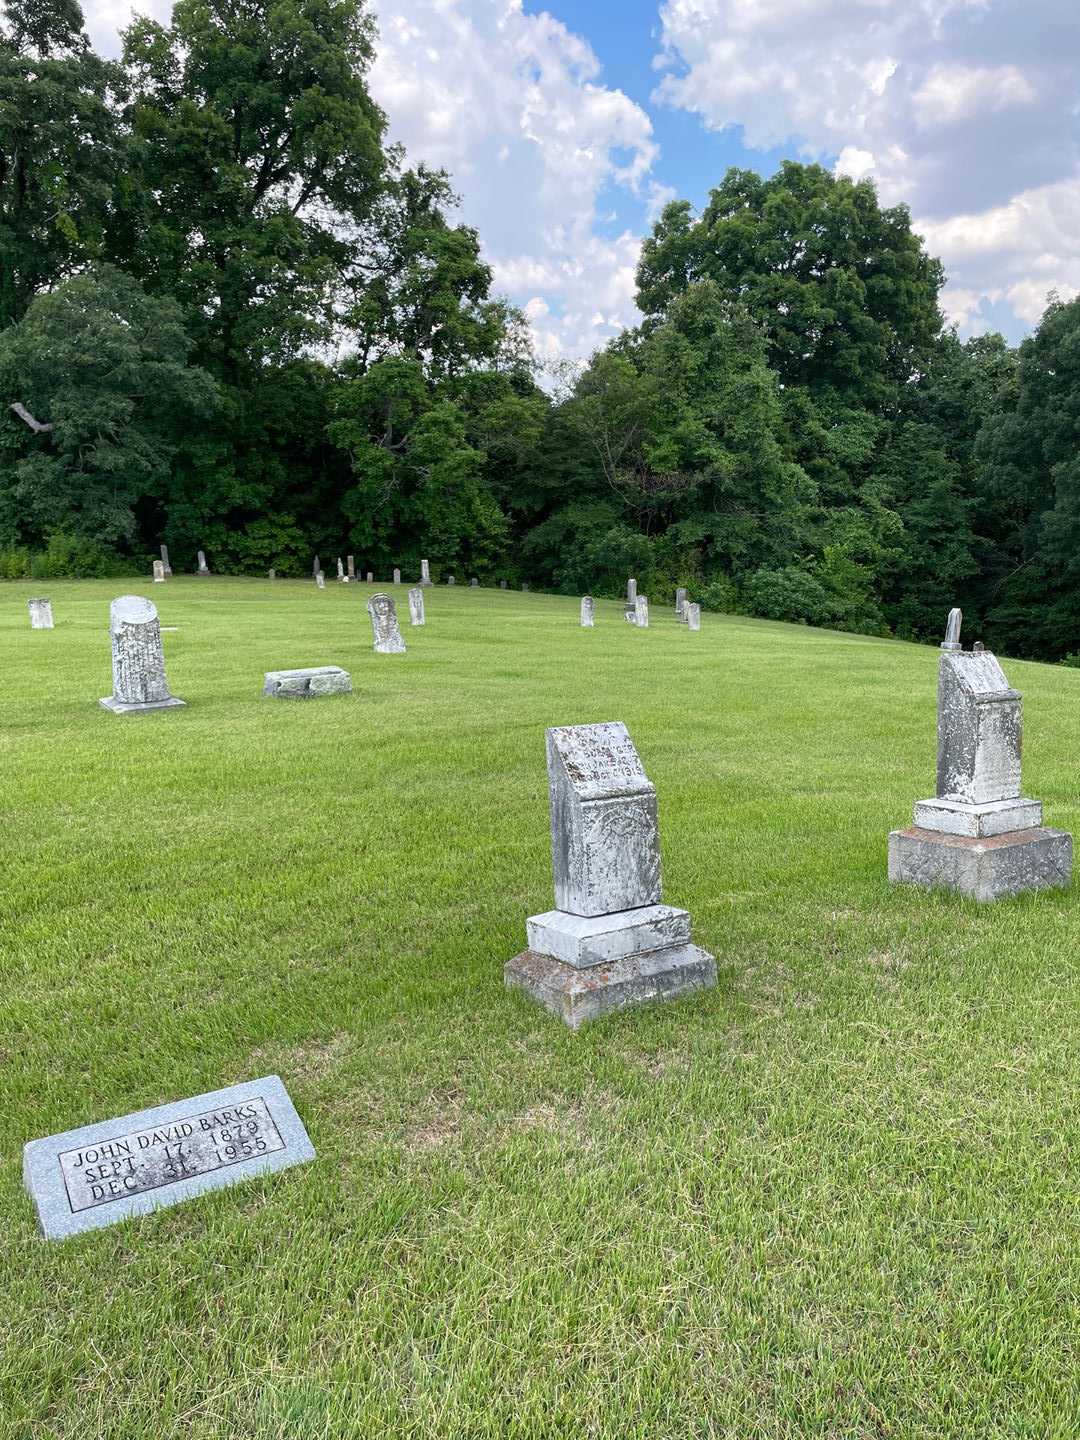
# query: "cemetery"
{"points": [[800, 1124]]}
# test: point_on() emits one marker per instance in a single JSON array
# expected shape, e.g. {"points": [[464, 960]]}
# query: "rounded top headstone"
{"points": [[132, 610]]}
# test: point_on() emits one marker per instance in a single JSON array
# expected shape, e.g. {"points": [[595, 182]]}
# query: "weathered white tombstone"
{"points": [[159, 572], [370, 578], [680, 601], [692, 613], [502, 584], [587, 608], [351, 563], [641, 612], [450, 580], [307, 684], [979, 836], [320, 579], [610, 942], [630, 612], [474, 583], [316, 567], [203, 569], [272, 574], [165, 560], [631, 591], [416, 605], [384, 625], [525, 587], [397, 577], [138, 660], [90, 1177], [340, 569], [425, 573], [41, 616]]}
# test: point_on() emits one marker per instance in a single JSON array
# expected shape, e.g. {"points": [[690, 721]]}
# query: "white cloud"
{"points": [[964, 109]]}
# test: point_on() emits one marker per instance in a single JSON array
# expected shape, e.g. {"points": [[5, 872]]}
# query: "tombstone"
{"points": [[587, 608], [631, 591], [630, 612], [370, 578], [450, 580], [641, 612], [203, 569], [978, 836], [610, 942], [340, 569], [165, 560], [41, 616], [384, 625], [692, 615], [397, 577], [159, 572], [138, 661], [474, 583], [502, 584], [351, 563], [524, 587], [272, 574], [93, 1176], [320, 579], [416, 605], [425, 573], [316, 567], [306, 684], [680, 601]]}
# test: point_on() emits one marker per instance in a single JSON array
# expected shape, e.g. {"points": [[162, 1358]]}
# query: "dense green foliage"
{"points": [[253, 330]]}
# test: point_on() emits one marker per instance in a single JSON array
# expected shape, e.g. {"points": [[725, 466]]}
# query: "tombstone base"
{"points": [[123, 707], [586, 940], [999, 817], [575, 995], [986, 868]]}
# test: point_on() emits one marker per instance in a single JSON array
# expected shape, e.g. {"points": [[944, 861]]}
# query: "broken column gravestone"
{"points": [[978, 836], [41, 616], [384, 625], [138, 660], [610, 943], [98, 1174], [307, 684]]}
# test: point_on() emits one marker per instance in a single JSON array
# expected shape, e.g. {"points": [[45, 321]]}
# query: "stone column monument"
{"points": [[351, 563], [340, 569], [165, 560], [204, 569], [316, 567], [138, 661], [631, 591], [416, 605], [41, 616], [587, 608], [979, 836], [610, 942], [384, 625], [425, 573], [159, 572]]}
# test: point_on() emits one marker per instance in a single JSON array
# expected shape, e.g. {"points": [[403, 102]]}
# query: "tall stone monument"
{"points": [[641, 612], [425, 573], [165, 560], [680, 602], [203, 569], [978, 836], [138, 661], [340, 569], [41, 616], [384, 625], [159, 572], [693, 615], [610, 942], [416, 605], [316, 567], [631, 591], [351, 563], [587, 608]]}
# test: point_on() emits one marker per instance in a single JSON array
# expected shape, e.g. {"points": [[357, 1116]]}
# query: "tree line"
{"points": [[233, 317]]}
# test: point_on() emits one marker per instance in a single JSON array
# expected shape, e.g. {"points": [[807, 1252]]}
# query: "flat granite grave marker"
{"points": [[384, 625], [693, 615], [138, 660], [98, 1174], [159, 572], [416, 605], [41, 616], [203, 569], [587, 610], [979, 836], [165, 559], [425, 573], [611, 942], [307, 684]]}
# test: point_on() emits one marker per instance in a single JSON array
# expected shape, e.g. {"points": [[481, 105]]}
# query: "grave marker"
{"points": [[165, 559], [474, 583], [203, 569], [306, 684], [680, 602], [416, 605], [641, 612], [450, 580], [340, 569], [587, 608], [320, 580], [159, 572], [370, 578], [693, 615], [631, 591], [351, 563], [138, 660], [41, 616], [384, 625], [397, 577], [425, 573]]}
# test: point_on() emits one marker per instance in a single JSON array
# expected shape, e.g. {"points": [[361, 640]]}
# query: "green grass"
{"points": [[834, 1197]]}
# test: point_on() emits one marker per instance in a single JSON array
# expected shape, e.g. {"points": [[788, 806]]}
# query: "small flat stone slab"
{"points": [[1000, 817], [578, 995], [307, 684], [98, 1174], [985, 869], [584, 940], [125, 707]]}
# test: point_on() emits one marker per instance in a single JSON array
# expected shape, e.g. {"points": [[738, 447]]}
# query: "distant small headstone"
{"points": [[524, 587], [320, 580], [272, 574], [351, 563], [93, 1176], [641, 612], [41, 616], [587, 608], [416, 605], [316, 567], [450, 580], [397, 577], [630, 612], [631, 590], [680, 601], [473, 583], [610, 942], [159, 572], [693, 615], [370, 578], [306, 684], [502, 584], [384, 625], [203, 569], [425, 573], [340, 569], [165, 559], [138, 660]]}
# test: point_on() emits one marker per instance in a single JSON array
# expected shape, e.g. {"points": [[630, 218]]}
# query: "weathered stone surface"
{"points": [[159, 572], [693, 615], [604, 837], [41, 616], [680, 601], [384, 625], [203, 569], [138, 660], [951, 817], [979, 730], [165, 559], [588, 609], [984, 869], [425, 573], [641, 612], [576, 996], [98, 1174], [583, 940], [397, 577], [320, 580], [306, 684], [416, 605]]}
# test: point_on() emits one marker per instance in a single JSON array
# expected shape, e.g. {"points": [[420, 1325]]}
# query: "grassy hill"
{"points": [[835, 1197]]}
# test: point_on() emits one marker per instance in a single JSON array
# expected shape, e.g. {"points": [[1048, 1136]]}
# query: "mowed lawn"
{"points": [[836, 1196]]}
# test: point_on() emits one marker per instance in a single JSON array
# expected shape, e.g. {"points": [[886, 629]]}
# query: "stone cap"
{"points": [[131, 610], [599, 761], [978, 674]]}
